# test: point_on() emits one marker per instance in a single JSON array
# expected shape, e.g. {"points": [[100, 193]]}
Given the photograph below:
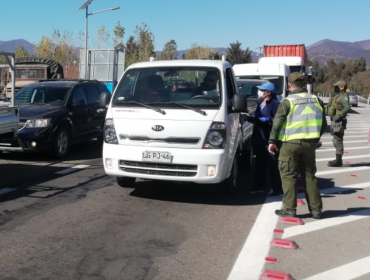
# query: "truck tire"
{"points": [[231, 185], [61, 142], [126, 182]]}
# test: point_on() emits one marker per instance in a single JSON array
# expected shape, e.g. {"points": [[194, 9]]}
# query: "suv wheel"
{"points": [[61, 142], [126, 182]]}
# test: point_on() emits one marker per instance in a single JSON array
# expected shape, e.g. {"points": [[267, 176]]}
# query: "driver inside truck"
{"points": [[209, 85]]}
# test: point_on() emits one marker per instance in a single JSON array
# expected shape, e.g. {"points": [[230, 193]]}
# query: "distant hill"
{"points": [[11, 46], [326, 49], [321, 51]]}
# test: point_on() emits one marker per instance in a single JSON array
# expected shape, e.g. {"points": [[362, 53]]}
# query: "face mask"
{"points": [[336, 89], [260, 93]]}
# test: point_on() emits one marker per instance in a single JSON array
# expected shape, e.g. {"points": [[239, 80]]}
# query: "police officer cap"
{"points": [[296, 77], [340, 84]]}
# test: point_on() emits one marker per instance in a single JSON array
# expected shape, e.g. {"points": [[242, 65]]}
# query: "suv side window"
{"points": [[79, 96], [93, 94]]}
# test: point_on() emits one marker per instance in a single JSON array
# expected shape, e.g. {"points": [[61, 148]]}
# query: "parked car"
{"points": [[55, 114], [353, 99]]}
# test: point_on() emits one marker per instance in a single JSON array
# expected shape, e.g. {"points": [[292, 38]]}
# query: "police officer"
{"points": [[299, 123], [338, 107]]}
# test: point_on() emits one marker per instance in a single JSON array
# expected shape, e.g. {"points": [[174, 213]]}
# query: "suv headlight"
{"points": [[110, 135], [216, 136], [37, 123]]}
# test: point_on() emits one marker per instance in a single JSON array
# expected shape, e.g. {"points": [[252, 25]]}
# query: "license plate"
{"points": [[156, 156]]}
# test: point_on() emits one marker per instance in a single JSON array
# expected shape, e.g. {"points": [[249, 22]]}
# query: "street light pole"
{"points": [[85, 6]]}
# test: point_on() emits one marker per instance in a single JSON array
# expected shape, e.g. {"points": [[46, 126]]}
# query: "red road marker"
{"points": [[346, 152], [300, 202], [291, 220], [347, 162], [276, 275], [278, 230], [284, 243], [361, 197], [270, 259], [353, 175]]}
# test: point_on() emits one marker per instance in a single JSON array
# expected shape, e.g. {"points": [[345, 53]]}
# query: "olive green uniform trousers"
{"points": [[299, 156], [338, 143]]}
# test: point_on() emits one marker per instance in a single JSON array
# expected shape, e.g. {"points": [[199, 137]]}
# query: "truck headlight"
{"points": [[216, 136], [110, 135], [37, 123]]}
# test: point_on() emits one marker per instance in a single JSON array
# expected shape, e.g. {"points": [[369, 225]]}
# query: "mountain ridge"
{"points": [[321, 51]]}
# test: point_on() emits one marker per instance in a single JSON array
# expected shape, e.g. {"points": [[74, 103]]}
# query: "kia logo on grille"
{"points": [[158, 128]]}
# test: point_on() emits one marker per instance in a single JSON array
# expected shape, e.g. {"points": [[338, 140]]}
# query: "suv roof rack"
{"points": [[69, 80]]}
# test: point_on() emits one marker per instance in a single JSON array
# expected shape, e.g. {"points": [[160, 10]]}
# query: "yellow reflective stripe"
{"points": [[302, 124], [300, 136]]}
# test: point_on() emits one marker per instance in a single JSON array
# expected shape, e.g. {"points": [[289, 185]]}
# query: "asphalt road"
{"points": [[68, 220]]}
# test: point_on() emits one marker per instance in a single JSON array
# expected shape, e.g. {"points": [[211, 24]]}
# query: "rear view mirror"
{"points": [[104, 99], [239, 103]]}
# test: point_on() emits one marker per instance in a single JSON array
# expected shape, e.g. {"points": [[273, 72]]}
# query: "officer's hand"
{"points": [[264, 119], [273, 149], [337, 118]]}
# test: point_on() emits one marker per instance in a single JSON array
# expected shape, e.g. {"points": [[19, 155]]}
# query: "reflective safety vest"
{"points": [[304, 120]]}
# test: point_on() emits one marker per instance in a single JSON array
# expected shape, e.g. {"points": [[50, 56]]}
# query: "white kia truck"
{"points": [[176, 120]]}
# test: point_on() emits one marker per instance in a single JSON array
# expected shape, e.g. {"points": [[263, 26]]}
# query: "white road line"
{"points": [[340, 189], [344, 158], [251, 259], [357, 132], [345, 272], [342, 170], [346, 142], [345, 149], [72, 169], [355, 136], [326, 223], [6, 190]]}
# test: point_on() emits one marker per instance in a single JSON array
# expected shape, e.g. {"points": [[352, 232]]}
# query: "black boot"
{"points": [[337, 162]]}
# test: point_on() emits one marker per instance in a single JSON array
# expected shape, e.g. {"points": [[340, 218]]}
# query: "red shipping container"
{"points": [[286, 50]]}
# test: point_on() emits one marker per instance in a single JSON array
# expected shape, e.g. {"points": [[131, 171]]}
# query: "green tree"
{"points": [[215, 55], [198, 52], [169, 51], [119, 33], [131, 53], [45, 48], [144, 42], [103, 37], [20, 51], [236, 55], [360, 65]]}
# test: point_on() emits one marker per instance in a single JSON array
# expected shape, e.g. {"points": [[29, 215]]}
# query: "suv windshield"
{"points": [[164, 86], [41, 95]]}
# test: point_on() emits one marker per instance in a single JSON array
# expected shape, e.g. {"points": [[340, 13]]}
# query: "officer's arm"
{"points": [[324, 122], [279, 120], [346, 106]]}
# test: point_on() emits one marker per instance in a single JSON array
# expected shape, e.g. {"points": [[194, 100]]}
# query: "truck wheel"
{"points": [[61, 142], [126, 182], [231, 184]]}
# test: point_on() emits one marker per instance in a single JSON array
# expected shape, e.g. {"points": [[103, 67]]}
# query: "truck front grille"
{"points": [[160, 169]]}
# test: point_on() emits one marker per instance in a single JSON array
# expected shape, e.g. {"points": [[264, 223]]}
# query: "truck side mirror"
{"points": [[239, 103], [104, 99]]}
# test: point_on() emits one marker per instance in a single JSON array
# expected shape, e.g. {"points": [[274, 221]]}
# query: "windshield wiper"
{"points": [[147, 106], [188, 107]]}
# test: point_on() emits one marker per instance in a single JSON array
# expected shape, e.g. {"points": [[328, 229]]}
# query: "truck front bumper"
{"points": [[206, 166]]}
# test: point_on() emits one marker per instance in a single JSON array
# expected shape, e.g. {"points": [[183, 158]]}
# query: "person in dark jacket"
{"points": [[265, 113]]}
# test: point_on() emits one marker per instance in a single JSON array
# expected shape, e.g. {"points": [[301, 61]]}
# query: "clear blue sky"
{"points": [[212, 23]]}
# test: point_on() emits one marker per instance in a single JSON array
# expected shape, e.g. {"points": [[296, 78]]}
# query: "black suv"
{"points": [[53, 114]]}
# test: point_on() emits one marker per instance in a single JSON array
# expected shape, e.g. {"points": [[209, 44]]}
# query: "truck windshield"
{"points": [[41, 95], [278, 81], [165, 86]]}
